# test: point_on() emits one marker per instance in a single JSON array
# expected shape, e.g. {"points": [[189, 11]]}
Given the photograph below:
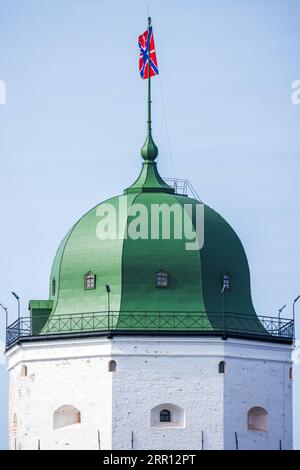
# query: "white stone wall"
{"points": [[70, 373], [150, 372], [258, 376], [172, 370]]}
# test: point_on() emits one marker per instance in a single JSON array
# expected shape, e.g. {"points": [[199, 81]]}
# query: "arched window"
{"points": [[90, 280], [290, 373], [222, 367], [65, 416], [112, 366], [24, 371], [53, 286], [165, 416], [258, 419], [162, 279]]}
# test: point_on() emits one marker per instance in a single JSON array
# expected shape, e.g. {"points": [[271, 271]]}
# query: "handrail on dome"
{"points": [[182, 187], [154, 323]]}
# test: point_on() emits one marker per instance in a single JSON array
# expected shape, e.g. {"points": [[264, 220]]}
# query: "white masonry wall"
{"points": [[60, 373], [153, 373], [174, 370], [258, 375]]}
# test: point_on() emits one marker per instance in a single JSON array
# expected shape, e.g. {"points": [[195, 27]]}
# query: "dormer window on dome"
{"points": [[53, 286], [90, 281], [226, 282], [162, 279]]}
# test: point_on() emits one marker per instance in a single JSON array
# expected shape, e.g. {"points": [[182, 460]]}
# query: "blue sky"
{"points": [[74, 122]]}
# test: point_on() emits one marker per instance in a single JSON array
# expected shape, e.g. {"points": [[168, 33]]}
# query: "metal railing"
{"points": [[183, 187], [200, 323]]}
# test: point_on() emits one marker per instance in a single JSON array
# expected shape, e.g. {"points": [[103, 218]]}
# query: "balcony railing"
{"points": [[183, 187], [226, 324]]}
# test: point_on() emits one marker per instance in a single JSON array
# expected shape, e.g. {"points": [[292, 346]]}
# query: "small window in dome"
{"points": [[162, 279], [53, 286], [90, 280], [226, 282]]}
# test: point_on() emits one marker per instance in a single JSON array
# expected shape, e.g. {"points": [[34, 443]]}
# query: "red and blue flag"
{"points": [[146, 40]]}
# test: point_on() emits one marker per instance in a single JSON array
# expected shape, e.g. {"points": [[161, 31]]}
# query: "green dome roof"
{"points": [[129, 267]]}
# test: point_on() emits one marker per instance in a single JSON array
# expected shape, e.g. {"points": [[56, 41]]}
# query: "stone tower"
{"points": [[149, 339]]}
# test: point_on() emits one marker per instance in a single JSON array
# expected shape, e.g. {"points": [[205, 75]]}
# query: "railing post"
{"points": [[279, 327], [223, 314], [99, 445], [6, 325], [236, 441]]}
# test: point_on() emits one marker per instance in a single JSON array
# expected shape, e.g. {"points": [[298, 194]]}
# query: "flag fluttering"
{"points": [[147, 47]]}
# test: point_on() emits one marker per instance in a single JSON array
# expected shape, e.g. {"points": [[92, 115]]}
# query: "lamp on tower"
{"points": [[17, 297]]}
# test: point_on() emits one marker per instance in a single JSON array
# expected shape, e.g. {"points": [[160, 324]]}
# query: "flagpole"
{"points": [[149, 80], [149, 150]]}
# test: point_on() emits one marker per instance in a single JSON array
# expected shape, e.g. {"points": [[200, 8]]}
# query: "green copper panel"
{"points": [[223, 253], [55, 271], [143, 258], [82, 251]]}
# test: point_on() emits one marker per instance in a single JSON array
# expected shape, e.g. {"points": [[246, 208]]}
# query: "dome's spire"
{"points": [[149, 150], [149, 179]]}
